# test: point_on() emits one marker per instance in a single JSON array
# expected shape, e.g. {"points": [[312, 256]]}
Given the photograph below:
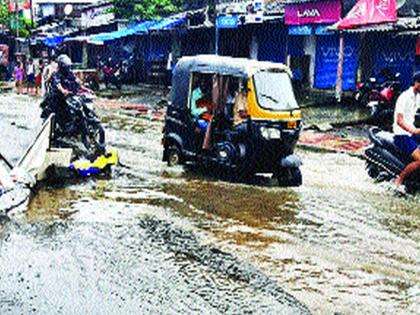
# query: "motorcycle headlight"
{"points": [[270, 133]]}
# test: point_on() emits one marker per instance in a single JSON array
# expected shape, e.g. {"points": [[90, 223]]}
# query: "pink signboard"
{"points": [[328, 11]]}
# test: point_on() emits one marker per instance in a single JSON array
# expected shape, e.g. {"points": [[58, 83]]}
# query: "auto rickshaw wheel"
{"points": [[289, 177], [174, 155]]}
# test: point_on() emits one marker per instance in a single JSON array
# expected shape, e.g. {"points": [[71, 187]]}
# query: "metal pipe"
{"points": [[339, 83]]}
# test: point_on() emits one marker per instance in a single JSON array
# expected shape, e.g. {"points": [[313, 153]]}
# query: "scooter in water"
{"points": [[385, 161]]}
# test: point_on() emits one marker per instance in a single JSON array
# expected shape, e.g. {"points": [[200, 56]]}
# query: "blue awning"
{"points": [[54, 41], [142, 27], [138, 28]]}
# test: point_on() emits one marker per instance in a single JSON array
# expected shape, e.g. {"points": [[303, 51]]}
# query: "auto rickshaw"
{"points": [[257, 136]]}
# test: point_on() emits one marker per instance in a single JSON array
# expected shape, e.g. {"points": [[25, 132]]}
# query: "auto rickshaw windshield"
{"points": [[274, 91]]}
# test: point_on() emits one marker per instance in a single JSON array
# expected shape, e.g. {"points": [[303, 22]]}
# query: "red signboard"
{"points": [[19, 5], [328, 11], [370, 12], [418, 47]]}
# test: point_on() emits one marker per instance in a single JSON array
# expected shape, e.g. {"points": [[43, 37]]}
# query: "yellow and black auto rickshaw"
{"points": [[236, 115]]}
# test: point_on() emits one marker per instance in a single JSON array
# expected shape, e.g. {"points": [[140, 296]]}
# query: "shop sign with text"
{"points": [[328, 11]]}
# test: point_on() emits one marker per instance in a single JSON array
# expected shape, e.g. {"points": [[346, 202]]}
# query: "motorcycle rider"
{"points": [[407, 136], [64, 82]]}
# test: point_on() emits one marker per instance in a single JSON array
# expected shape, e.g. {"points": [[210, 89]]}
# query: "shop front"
{"points": [[271, 37], [395, 54], [312, 51], [327, 54]]}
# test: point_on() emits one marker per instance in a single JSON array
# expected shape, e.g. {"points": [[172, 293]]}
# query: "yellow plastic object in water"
{"points": [[106, 160], [87, 168]]}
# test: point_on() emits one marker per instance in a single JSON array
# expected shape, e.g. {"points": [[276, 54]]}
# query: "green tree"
{"points": [[8, 20], [146, 9], [4, 14]]}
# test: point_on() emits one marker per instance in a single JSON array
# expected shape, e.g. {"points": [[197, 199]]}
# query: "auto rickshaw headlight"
{"points": [[270, 133]]}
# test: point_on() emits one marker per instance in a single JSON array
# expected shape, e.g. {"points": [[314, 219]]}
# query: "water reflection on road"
{"points": [[165, 240]]}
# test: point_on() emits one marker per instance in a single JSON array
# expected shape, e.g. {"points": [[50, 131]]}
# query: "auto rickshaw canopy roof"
{"points": [[229, 66], [240, 67]]}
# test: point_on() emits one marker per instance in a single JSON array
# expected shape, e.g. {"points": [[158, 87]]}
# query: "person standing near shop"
{"points": [[47, 73], [18, 76], [30, 76], [38, 76]]}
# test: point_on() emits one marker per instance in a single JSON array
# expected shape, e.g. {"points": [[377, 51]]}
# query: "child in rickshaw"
{"points": [[201, 107], [205, 107]]}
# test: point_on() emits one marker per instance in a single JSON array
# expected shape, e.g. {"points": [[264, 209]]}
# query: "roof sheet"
{"points": [[402, 25]]}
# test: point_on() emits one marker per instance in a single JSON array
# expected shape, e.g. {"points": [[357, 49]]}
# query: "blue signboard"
{"points": [[322, 30], [327, 49], [396, 54], [227, 21], [300, 29]]}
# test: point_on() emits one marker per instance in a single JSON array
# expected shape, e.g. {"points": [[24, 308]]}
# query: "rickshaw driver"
{"points": [[240, 108]]}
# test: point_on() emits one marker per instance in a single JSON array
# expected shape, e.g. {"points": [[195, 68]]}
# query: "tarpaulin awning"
{"points": [[168, 23], [138, 28], [77, 39], [54, 41]]}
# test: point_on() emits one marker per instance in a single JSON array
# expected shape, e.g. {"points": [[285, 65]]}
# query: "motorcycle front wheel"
{"points": [[94, 137]]}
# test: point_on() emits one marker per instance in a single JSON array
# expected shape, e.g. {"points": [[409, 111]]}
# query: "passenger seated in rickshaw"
{"points": [[205, 107], [201, 106]]}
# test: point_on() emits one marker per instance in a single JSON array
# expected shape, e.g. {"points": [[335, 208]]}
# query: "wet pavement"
{"points": [[153, 239]]}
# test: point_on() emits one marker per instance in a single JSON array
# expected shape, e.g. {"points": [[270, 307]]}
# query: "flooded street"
{"points": [[161, 240]]}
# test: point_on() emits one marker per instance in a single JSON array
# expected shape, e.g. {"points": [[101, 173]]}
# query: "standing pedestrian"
{"points": [[49, 70], [38, 76], [30, 75], [18, 76]]}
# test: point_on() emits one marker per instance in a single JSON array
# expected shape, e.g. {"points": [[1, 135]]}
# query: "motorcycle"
{"points": [[78, 121], [382, 102], [385, 161], [363, 90], [112, 75]]}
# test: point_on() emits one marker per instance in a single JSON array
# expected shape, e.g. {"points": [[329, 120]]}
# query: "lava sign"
{"points": [[328, 11]]}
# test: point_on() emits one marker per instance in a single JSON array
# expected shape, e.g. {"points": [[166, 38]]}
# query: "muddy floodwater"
{"points": [[159, 240]]}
